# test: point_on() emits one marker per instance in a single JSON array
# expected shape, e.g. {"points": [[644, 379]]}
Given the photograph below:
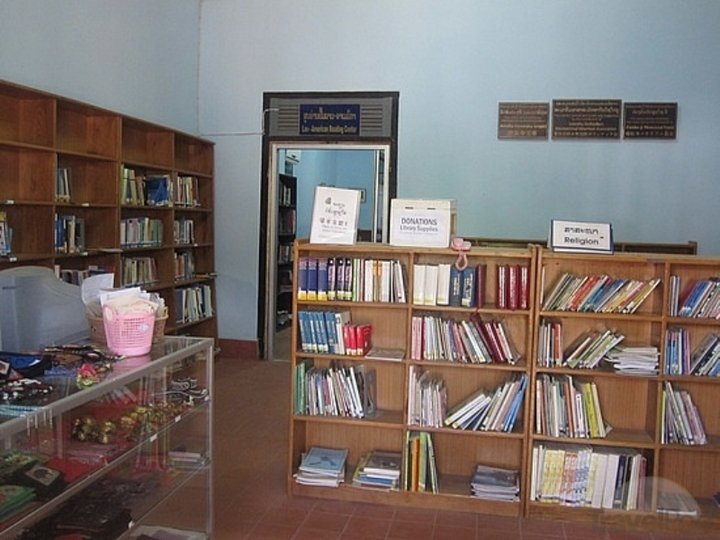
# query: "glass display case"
{"points": [[103, 448]]}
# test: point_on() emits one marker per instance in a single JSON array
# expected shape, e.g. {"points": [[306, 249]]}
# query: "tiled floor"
{"points": [[250, 446]]}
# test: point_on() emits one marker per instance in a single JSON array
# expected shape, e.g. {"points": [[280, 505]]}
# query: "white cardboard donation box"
{"points": [[422, 222]]}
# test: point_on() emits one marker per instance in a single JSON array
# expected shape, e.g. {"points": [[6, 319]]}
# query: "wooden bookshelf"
{"points": [[632, 405], [457, 451], [42, 133]]}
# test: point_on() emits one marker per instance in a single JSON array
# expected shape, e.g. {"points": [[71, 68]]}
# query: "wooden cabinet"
{"points": [[64, 162], [632, 406]]}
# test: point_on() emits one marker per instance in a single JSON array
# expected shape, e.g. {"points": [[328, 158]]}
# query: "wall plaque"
{"points": [[330, 119], [650, 120], [523, 120], [586, 119]]}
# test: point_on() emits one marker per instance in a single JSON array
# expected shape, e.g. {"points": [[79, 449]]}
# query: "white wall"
{"points": [[136, 57], [452, 62]]}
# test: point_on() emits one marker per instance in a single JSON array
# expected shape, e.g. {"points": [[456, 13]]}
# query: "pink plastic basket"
{"points": [[129, 334]]}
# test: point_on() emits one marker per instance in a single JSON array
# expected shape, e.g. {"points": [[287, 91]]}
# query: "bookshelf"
{"points": [[632, 407], [633, 404], [286, 231], [63, 161], [457, 451]]}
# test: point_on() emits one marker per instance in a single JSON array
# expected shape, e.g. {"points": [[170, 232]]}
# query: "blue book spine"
{"points": [[322, 279], [323, 343], [331, 331], [312, 274], [468, 287], [455, 286], [302, 287], [304, 332]]}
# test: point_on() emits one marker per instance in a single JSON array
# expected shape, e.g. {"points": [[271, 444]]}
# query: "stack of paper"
{"points": [[322, 467], [495, 483], [634, 360], [378, 469]]}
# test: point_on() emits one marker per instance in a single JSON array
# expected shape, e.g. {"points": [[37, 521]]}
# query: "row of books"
{"points": [[184, 265], [681, 360], [138, 271], [351, 279], [321, 466], [76, 277], [681, 419], [69, 234], [495, 483], [420, 466], [193, 303], [186, 192], [473, 341], [701, 301], [490, 411], [141, 232], [285, 254], [332, 332], [6, 235], [286, 195], [336, 390], [287, 221], [184, 231], [138, 189], [378, 469], [63, 185], [598, 294], [446, 285], [590, 477], [566, 407], [585, 352], [427, 398]]}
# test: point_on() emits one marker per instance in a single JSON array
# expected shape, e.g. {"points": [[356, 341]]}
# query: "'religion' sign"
{"points": [[580, 236], [330, 120]]}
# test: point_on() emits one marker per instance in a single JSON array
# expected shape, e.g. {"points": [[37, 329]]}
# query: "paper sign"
{"points": [[581, 236], [335, 215]]}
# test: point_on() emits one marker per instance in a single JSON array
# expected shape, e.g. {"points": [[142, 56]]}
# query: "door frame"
{"points": [[268, 193]]}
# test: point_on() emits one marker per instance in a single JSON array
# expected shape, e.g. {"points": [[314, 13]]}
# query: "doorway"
{"points": [[295, 171], [343, 139]]}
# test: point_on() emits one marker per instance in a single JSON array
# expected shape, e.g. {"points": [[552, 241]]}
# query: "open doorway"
{"points": [[343, 139], [295, 171]]}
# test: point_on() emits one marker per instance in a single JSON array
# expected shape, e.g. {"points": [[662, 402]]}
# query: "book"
{"points": [[467, 297], [455, 287], [443, 284], [418, 292], [334, 215]]}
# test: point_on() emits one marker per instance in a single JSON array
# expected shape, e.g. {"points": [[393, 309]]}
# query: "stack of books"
{"points": [[587, 351], [351, 279], [490, 411], [420, 468], [5, 235], [702, 300], [641, 361], [332, 332], [495, 483], [568, 408], [348, 391], [598, 294], [427, 398], [681, 419], [702, 361], [378, 470], [322, 467], [473, 341], [589, 477]]}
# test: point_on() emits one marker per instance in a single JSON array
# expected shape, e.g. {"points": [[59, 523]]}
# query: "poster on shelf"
{"points": [[335, 215]]}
